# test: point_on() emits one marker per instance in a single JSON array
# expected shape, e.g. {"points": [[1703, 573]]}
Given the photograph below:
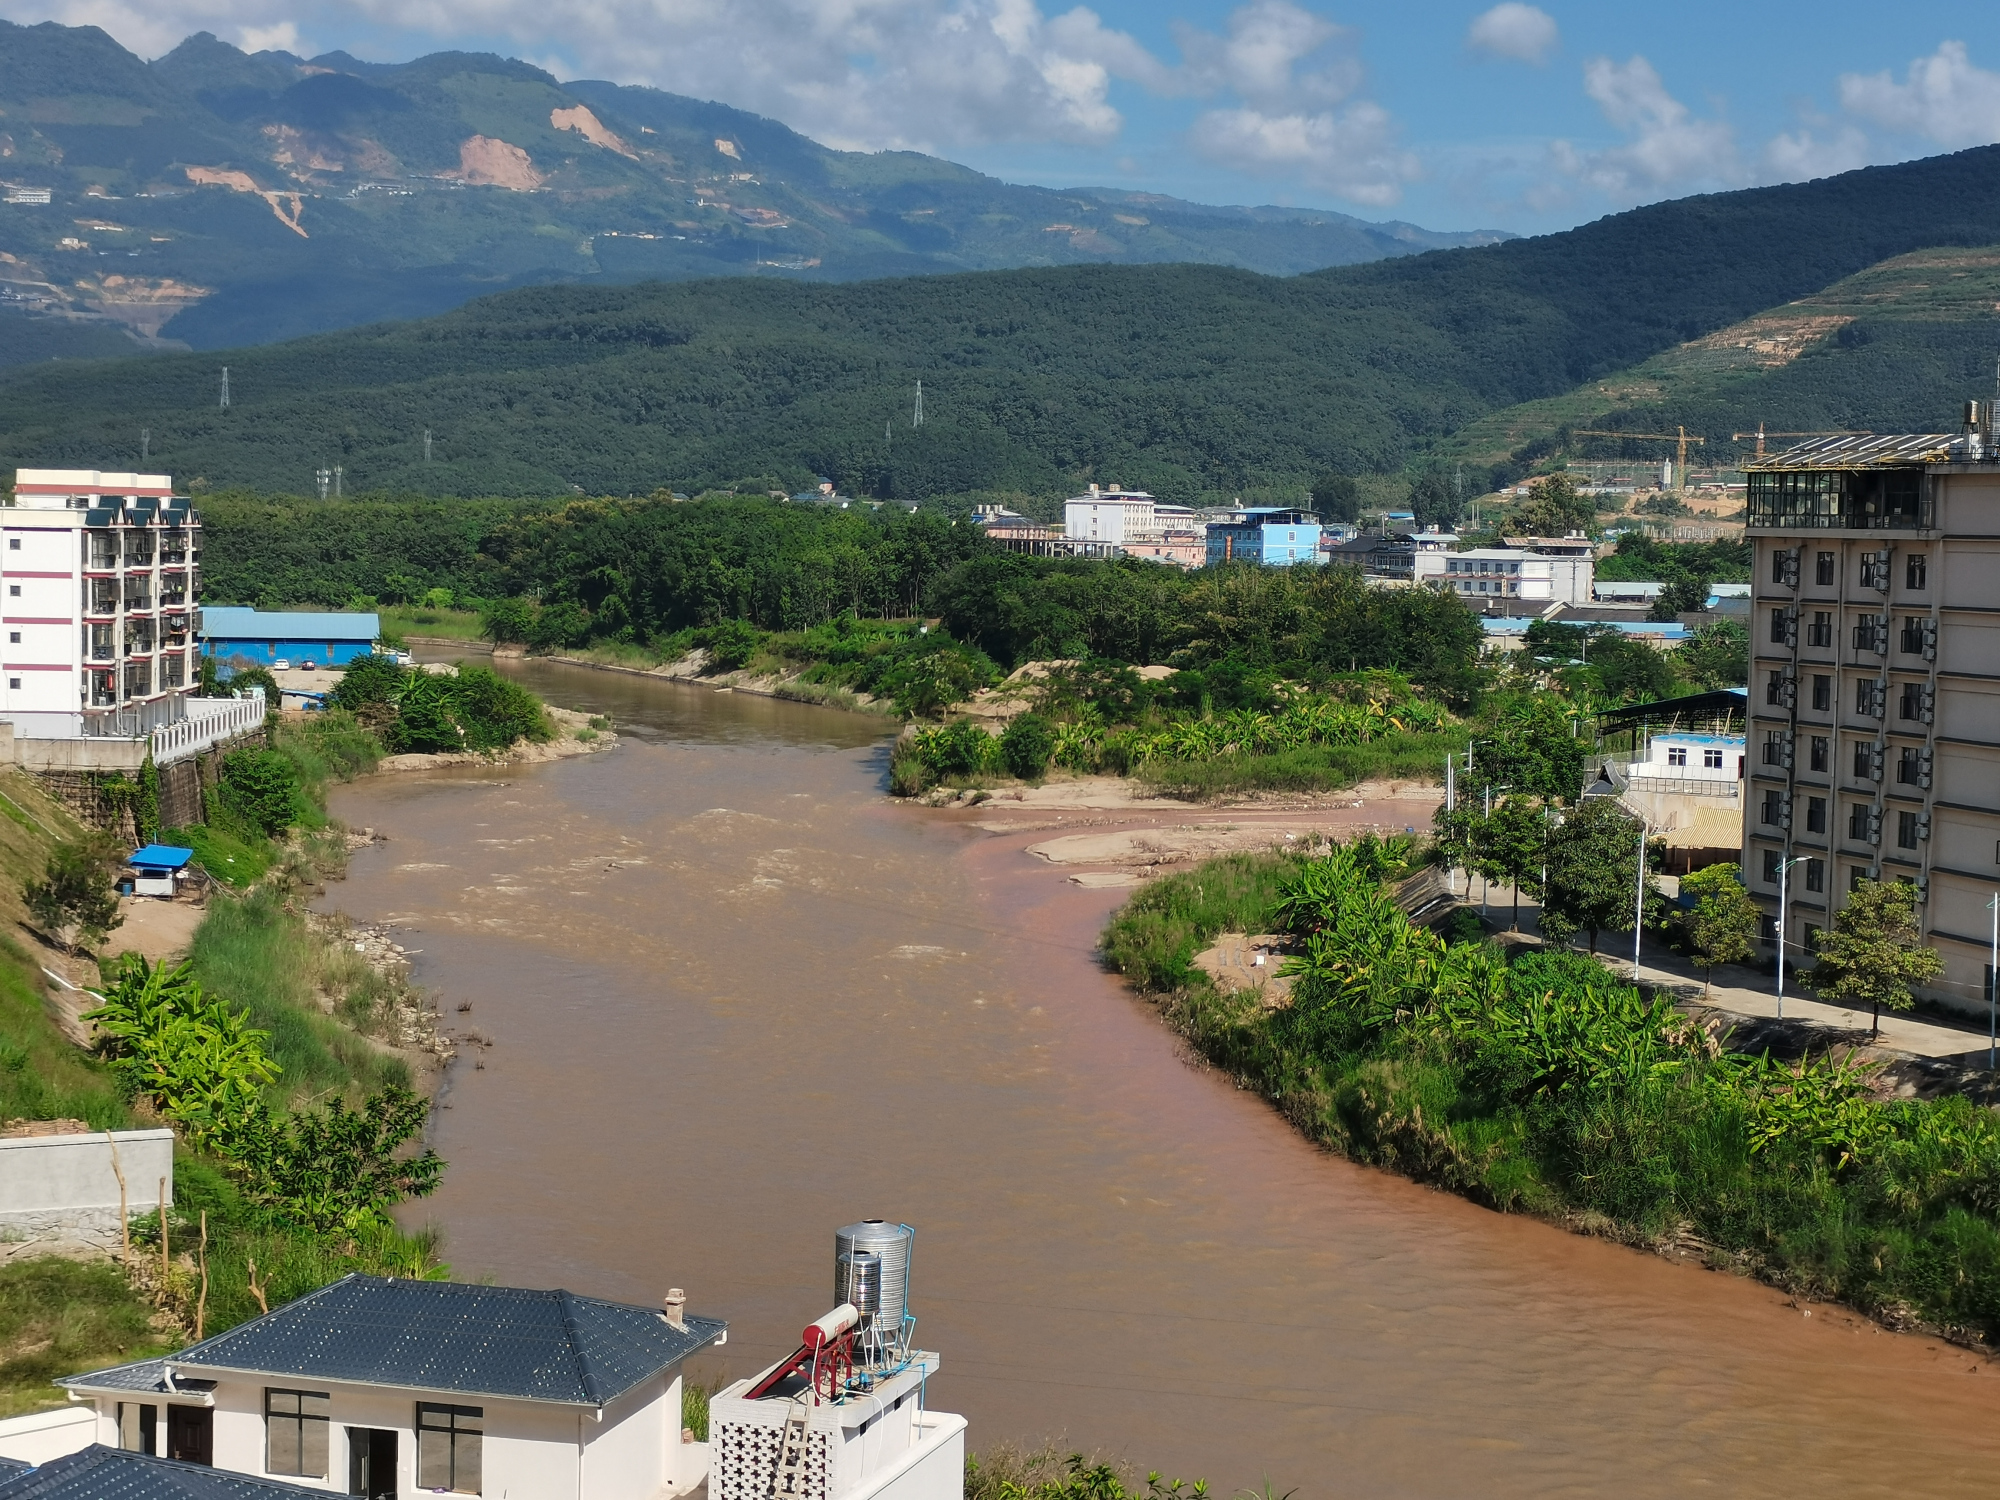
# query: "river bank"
{"points": [[693, 955]]}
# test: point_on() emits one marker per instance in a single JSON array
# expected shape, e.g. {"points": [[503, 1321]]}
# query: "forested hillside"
{"points": [[220, 198], [1199, 382]]}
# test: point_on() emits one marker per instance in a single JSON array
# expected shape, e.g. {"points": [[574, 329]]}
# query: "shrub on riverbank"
{"points": [[416, 711], [1547, 1086]]}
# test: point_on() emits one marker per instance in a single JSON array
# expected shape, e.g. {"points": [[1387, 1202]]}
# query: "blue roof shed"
{"points": [[161, 857], [257, 637]]}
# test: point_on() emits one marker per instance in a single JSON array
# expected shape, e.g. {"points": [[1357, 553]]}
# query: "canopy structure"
{"points": [[161, 857], [1727, 703]]}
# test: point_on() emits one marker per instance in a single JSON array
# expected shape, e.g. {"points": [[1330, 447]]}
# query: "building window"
{"points": [[1916, 570], [1777, 690], [1815, 815], [1774, 808], [1822, 699], [1677, 755], [1856, 874], [1822, 748], [138, 1427], [295, 1431], [1861, 825], [1777, 748], [1914, 702], [1864, 761], [13, 591], [1772, 859], [13, 637], [448, 1447], [1868, 698], [1820, 632], [1711, 759], [1815, 880], [1913, 635], [1911, 827], [14, 684], [1781, 626], [1823, 569], [13, 544]]}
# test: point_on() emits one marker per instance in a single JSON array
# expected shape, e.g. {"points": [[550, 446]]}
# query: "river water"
{"points": [[737, 998]]}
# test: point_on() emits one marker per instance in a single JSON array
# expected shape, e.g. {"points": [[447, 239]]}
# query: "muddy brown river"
{"points": [[738, 998]]}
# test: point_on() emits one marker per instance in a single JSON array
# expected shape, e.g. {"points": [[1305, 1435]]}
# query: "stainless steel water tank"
{"points": [[889, 1245]]}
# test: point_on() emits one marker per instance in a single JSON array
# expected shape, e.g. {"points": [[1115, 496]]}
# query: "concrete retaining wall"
{"points": [[62, 1190]]}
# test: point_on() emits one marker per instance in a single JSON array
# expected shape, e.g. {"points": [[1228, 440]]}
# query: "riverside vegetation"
{"points": [[1534, 1081], [296, 1126]]}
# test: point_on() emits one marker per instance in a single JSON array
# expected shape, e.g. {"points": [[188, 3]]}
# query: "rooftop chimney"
{"points": [[676, 1305]]}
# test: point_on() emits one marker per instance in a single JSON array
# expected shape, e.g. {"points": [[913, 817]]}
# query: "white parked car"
{"points": [[282, 664]]}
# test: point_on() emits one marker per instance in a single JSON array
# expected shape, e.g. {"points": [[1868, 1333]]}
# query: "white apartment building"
{"points": [[1875, 685], [1111, 517], [1508, 573], [101, 573]]}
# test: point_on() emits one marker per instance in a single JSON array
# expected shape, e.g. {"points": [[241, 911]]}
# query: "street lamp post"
{"points": [[1784, 870], [1993, 986], [1486, 813], [1639, 900]]}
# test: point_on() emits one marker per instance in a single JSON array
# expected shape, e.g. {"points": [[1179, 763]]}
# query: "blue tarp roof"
{"points": [[230, 622], [161, 857], [449, 1336]]}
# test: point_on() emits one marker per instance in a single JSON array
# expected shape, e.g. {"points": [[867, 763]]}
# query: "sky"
{"points": [[1516, 116]]}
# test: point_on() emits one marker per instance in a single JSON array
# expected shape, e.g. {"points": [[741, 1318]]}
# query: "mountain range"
{"points": [[213, 198]]}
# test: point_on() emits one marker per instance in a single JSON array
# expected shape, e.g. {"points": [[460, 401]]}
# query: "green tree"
{"points": [[1537, 749], [1874, 952], [1511, 844], [1554, 509], [1336, 497], [507, 621], [1027, 746], [1683, 592], [1722, 927], [1716, 656], [370, 679], [75, 901], [262, 787], [335, 1168], [1593, 864], [1630, 670]]}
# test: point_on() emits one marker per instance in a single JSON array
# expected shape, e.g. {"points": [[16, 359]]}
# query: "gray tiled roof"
{"points": [[147, 1375], [100, 1473], [12, 1466], [447, 1336]]}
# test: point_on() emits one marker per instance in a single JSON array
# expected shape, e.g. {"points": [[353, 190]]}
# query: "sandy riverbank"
{"points": [[571, 726]]}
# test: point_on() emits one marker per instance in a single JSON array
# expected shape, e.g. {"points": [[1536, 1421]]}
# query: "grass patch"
{"points": [[1153, 938], [257, 953], [437, 624], [58, 1317], [227, 859], [1310, 768], [42, 1077]]}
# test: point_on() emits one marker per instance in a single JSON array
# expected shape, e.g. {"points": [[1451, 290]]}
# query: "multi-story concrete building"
{"points": [[1271, 536], [102, 572], [1874, 741], [1112, 516], [1493, 574]]}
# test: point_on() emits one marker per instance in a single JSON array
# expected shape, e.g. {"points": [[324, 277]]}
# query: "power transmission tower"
{"points": [[145, 444], [225, 385], [337, 471], [887, 441], [427, 445], [917, 417], [324, 479]]}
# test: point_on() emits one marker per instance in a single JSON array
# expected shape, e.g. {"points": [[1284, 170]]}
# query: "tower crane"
{"points": [[1760, 434], [1681, 438]]}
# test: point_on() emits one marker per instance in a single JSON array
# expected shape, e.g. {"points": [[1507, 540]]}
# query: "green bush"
{"points": [[1027, 746], [370, 679], [960, 748], [730, 645], [262, 787]]}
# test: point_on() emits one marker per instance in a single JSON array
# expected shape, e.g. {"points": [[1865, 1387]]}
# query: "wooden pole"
{"points": [[201, 1305], [124, 1220], [164, 1259]]}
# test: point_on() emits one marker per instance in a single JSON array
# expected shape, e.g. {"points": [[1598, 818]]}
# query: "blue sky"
{"points": [[1454, 116]]}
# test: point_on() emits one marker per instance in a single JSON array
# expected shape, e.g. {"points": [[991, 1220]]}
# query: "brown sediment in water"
{"points": [[738, 998]]}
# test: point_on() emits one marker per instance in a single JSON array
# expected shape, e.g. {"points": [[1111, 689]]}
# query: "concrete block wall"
{"points": [[183, 790], [61, 1191]]}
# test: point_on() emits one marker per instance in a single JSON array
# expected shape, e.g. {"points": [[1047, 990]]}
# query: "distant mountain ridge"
{"points": [[220, 198]]}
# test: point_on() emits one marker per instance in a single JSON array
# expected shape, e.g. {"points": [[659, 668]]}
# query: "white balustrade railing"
{"points": [[210, 721]]}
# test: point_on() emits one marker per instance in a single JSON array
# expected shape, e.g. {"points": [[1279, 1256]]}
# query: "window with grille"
{"points": [[295, 1432], [1823, 569], [1774, 807], [1711, 759], [1822, 698], [448, 1447], [1912, 766], [1822, 751], [1772, 858], [1916, 570], [1677, 755], [1820, 631], [1815, 815], [1815, 877]]}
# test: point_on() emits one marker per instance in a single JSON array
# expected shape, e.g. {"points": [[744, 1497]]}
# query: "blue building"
{"points": [[238, 637], [1269, 535]]}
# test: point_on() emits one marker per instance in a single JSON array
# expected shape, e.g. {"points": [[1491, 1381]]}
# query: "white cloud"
{"points": [[1293, 75], [1945, 98], [283, 37], [1524, 33], [1799, 156], [1667, 148]]}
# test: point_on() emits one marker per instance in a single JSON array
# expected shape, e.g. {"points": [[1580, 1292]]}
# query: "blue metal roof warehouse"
{"points": [[256, 638]]}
